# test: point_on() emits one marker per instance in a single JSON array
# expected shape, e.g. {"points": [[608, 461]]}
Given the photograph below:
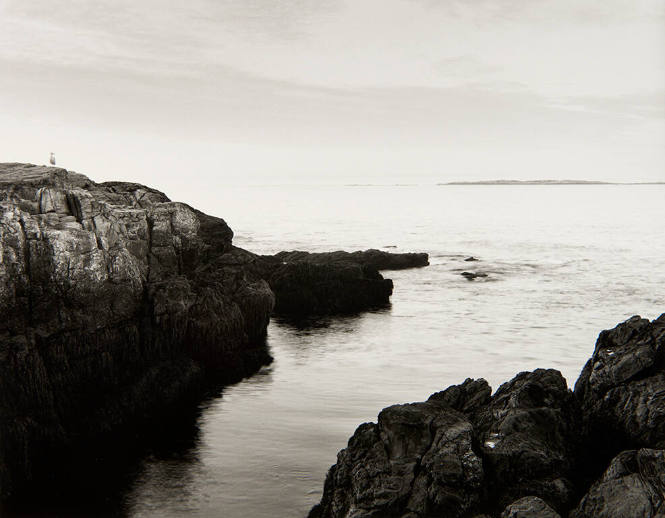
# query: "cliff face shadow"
{"points": [[95, 481], [97, 478]]}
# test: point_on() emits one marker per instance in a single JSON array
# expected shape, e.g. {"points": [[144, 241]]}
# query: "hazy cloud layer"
{"points": [[299, 90]]}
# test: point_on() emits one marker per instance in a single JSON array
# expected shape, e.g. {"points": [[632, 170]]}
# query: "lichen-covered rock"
{"points": [[115, 302], [529, 507], [633, 486]]}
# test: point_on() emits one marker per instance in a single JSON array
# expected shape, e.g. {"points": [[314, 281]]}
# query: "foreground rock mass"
{"points": [[534, 449], [116, 301]]}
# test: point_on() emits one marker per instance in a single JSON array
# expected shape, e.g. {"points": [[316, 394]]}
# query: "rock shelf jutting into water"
{"points": [[532, 449], [119, 303], [333, 282]]}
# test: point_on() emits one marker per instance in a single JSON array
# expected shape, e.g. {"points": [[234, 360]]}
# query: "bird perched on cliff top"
{"points": [[52, 159]]}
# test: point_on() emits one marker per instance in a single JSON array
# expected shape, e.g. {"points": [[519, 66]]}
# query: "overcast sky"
{"points": [[212, 92]]}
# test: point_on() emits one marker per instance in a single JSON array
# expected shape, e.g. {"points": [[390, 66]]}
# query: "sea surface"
{"points": [[563, 262]]}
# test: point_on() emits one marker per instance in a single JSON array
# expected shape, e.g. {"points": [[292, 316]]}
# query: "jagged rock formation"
{"points": [[116, 301], [622, 387], [533, 449]]}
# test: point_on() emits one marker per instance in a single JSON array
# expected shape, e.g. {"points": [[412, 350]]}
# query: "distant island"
{"points": [[547, 182]]}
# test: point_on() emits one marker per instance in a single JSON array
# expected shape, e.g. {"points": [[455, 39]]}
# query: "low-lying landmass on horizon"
{"points": [[546, 182]]}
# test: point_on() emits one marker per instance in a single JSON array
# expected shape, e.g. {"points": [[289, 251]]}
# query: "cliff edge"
{"points": [[116, 302]]}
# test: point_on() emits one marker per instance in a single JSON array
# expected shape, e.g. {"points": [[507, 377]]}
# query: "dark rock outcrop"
{"points": [[376, 259], [528, 440], [303, 288], [307, 283], [533, 449], [116, 303], [332, 282], [622, 387], [417, 459]]}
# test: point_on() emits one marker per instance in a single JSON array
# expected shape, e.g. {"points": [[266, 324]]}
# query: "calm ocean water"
{"points": [[564, 262]]}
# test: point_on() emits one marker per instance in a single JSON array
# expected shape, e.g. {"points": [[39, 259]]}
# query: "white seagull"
{"points": [[52, 159]]}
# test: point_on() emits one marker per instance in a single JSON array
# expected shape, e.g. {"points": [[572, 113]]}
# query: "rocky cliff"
{"points": [[116, 302], [534, 449]]}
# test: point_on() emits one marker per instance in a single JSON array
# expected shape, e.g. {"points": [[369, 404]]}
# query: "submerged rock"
{"points": [[116, 303], [470, 276], [535, 447]]}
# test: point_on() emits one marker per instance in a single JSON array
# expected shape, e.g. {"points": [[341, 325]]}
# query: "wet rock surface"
{"points": [[116, 303], [536, 448], [471, 276]]}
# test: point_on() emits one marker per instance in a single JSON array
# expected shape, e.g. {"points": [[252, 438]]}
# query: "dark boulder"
{"points": [[417, 459], [459, 453], [528, 440], [471, 259], [633, 486], [622, 388]]}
